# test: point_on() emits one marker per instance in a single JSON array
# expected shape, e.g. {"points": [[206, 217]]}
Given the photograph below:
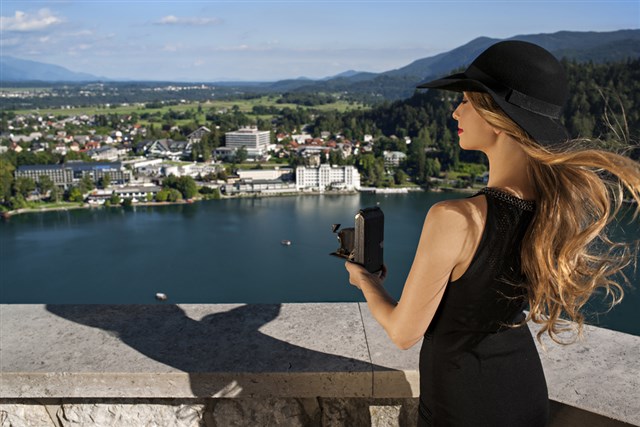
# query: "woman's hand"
{"points": [[358, 275]]}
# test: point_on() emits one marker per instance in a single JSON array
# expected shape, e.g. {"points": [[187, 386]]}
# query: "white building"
{"points": [[265, 174], [270, 187], [393, 158], [136, 194], [327, 177], [255, 141]]}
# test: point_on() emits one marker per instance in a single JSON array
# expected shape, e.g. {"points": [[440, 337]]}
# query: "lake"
{"points": [[218, 251]]}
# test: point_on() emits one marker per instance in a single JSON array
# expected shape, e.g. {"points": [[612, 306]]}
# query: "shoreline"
{"points": [[395, 190]]}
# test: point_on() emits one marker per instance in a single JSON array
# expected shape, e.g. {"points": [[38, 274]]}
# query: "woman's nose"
{"points": [[455, 113]]}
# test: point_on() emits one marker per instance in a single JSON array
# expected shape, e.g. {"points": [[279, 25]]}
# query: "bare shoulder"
{"points": [[454, 228], [459, 214]]}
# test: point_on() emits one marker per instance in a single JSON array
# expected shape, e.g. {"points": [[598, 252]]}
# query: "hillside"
{"points": [[597, 47], [21, 70]]}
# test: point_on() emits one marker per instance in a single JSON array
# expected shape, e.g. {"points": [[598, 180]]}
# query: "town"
{"points": [[90, 160]]}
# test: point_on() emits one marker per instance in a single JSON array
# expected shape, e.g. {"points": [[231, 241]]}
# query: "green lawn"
{"points": [[244, 105]]}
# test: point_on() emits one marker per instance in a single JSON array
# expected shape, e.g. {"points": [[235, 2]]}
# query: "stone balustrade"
{"points": [[327, 364]]}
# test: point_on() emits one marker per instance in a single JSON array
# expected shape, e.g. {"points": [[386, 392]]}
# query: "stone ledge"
{"points": [[333, 350]]}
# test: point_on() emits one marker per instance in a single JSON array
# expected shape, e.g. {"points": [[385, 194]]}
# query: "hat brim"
{"points": [[544, 130]]}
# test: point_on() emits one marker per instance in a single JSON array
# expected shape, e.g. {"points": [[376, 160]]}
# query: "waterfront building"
{"points": [[393, 158], [192, 169], [259, 186], [327, 177], [266, 174], [136, 194], [71, 173], [255, 141]]}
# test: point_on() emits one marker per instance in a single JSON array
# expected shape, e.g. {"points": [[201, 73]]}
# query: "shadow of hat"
{"points": [[525, 80]]}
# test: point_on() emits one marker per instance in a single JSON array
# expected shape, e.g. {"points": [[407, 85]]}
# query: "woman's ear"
{"points": [[496, 130]]}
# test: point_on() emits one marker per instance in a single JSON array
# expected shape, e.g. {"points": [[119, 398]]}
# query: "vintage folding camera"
{"points": [[363, 244]]}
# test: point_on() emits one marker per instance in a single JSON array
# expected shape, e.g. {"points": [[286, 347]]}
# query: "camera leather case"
{"points": [[364, 243]]}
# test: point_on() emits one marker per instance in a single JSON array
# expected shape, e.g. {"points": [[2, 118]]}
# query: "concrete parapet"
{"points": [[288, 364]]}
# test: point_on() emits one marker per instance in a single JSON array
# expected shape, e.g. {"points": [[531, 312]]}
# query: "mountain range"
{"points": [[22, 70], [597, 47], [579, 46]]}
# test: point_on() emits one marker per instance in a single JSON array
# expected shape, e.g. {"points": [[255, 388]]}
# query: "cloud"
{"points": [[80, 33], [174, 20], [25, 22], [172, 47]]}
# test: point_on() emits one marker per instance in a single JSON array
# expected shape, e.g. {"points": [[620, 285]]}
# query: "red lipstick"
{"points": [[459, 131]]}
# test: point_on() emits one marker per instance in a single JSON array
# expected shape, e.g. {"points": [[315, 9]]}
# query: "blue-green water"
{"points": [[225, 251]]}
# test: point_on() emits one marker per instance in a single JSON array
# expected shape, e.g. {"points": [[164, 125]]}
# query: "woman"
{"points": [[527, 240]]}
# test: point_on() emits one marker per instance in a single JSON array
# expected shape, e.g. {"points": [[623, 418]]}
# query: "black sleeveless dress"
{"points": [[476, 369]]}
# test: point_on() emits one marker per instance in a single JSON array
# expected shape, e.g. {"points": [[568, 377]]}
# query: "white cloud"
{"points": [[172, 47], [174, 20], [25, 22], [81, 33]]}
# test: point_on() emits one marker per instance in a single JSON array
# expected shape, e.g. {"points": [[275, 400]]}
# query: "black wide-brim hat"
{"points": [[525, 80]]}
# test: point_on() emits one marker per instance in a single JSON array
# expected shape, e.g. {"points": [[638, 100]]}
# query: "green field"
{"points": [[244, 105]]}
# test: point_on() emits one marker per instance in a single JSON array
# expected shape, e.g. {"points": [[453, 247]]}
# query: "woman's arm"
{"points": [[449, 237]]}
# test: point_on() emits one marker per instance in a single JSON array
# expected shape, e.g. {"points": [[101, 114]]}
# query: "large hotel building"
{"points": [[255, 141], [327, 177], [71, 173]]}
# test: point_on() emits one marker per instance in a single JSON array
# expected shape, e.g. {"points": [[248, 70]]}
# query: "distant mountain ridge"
{"points": [[393, 84], [21, 70], [400, 83]]}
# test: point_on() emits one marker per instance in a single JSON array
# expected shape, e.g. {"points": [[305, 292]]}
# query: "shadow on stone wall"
{"points": [[225, 342]]}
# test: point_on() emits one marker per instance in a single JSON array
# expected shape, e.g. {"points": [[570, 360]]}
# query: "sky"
{"points": [[268, 40]]}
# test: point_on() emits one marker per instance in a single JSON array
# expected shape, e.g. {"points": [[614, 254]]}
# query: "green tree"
{"points": [[76, 155], [56, 193], [241, 155], [17, 202], [210, 193], [86, 184], [24, 186], [380, 179], [6, 178], [187, 187], [162, 195], [114, 199], [168, 195], [170, 182], [74, 194], [417, 158], [45, 184], [401, 177], [432, 167], [105, 181], [174, 195]]}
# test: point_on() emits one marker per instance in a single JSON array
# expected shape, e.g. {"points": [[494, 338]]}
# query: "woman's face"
{"points": [[474, 131]]}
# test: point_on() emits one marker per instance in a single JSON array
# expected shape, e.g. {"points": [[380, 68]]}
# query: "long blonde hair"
{"points": [[566, 253]]}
